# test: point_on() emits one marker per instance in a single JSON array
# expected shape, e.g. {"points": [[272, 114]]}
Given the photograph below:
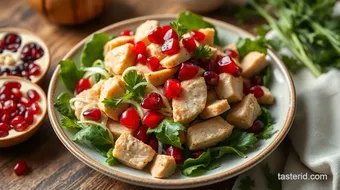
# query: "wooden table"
{"points": [[53, 166]]}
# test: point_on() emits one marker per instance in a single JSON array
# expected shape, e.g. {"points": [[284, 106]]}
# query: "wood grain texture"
{"points": [[53, 167]]}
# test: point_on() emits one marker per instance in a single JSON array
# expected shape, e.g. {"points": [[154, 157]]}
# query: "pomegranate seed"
{"points": [[140, 47], [153, 142], [31, 52], [152, 63], [141, 134], [83, 84], [166, 28], [4, 127], [16, 120], [197, 154], [170, 47], [34, 70], [5, 90], [9, 106], [33, 95], [141, 58], [211, 78], [2, 45], [177, 153], [29, 117], [126, 33], [152, 118], [35, 109], [152, 101], [3, 133], [20, 127], [21, 109], [12, 84], [231, 53], [257, 127], [130, 118], [189, 44], [256, 80], [188, 71], [16, 94], [238, 72], [171, 33], [246, 87], [199, 36], [12, 42], [92, 114], [5, 97], [257, 91], [5, 118], [213, 66], [227, 65], [21, 168], [14, 113], [172, 88], [156, 36], [25, 101]]}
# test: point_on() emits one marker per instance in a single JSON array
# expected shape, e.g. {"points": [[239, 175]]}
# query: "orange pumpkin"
{"points": [[69, 12]]}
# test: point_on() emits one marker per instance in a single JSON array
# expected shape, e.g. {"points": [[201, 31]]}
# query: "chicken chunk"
{"points": [[155, 50], [267, 98], [209, 36], [144, 29], [208, 133], [120, 58], [214, 109], [117, 129], [230, 88], [192, 100], [163, 166], [112, 88], [118, 41], [159, 77], [244, 113], [132, 152], [174, 60], [253, 63]]}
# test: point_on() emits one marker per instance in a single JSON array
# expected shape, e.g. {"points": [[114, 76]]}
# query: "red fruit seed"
{"points": [[92, 114], [172, 88], [156, 36], [82, 85], [188, 71], [21, 168], [152, 118], [231, 53], [199, 36], [140, 47], [257, 127], [152, 63], [211, 78], [126, 33], [171, 33], [130, 118], [189, 44], [177, 153], [33, 95], [257, 91], [141, 58], [153, 101], [170, 47], [141, 134], [153, 142]]}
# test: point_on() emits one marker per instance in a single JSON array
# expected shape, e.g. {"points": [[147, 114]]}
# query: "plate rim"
{"points": [[171, 183]]}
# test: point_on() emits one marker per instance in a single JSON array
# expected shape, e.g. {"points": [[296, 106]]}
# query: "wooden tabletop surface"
{"points": [[52, 165]]}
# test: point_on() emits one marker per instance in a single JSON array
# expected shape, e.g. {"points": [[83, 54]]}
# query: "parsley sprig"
{"points": [[202, 52], [179, 28]]}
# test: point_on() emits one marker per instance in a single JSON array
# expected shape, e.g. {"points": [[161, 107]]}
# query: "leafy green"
{"points": [[220, 151], [246, 183], [267, 76], [194, 22], [268, 122], [66, 122], [202, 52], [197, 166], [63, 105], [111, 160], [273, 183], [179, 28], [293, 64], [93, 49], [240, 140], [112, 102], [69, 73], [96, 137], [168, 132], [246, 45]]}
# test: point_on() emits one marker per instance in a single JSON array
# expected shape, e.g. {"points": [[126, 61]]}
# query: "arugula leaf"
{"points": [[194, 22], [268, 122], [267, 76], [293, 64], [63, 105], [69, 73], [246, 183], [195, 170], [240, 140], [246, 45], [218, 152], [95, 136], [179, 28], [111, 160], [168, 132], [93, 49], [197, 166], [111, 102], [202, 52], [273, 183], [66, 122], [131, 79]]}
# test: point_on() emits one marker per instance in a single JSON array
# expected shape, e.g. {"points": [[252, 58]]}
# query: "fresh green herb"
{"points": [[246, 45], [220, 151], [168, 132], [194, 22], [179, 28], [69, 73], [294, 65], [63, 105], [66, 122], [267, 76], [111, 160], [112, 102], [240, 140], [93, 49], [273, 183], [95, 136], [197, 166], [268, 122], [202, 52], [100, 64], [246, 183]]}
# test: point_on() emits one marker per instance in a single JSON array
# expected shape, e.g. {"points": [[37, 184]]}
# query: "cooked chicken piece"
{"points": [[267, 98], [120, 58], [174, 60], [117, 129], [230, 88], [244, 113], [155, 50], [208, 133], [214, 109], [144, 29], [253, 63], [209, 36], [112, 88], [192, 100], [132, 152], [159, 77], [212, 96], [118, 41], [163, 166]]}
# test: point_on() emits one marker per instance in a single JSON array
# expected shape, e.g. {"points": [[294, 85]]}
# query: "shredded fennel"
{"points": [[95, 70]]}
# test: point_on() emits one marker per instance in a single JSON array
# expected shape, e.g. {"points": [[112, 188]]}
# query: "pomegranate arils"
{"points": [[21, 109], [12, 84], [31, 52], [9, 106], [152, 63], [171, 33], [257, 127], [130, 118], [92, 114], [256, 80], [156, 36], [33, 95], [2, 45], [34, 70], [25, 101], [83, 84], [257, 91], [199, 36], [4, 127], [170, 47], [166, 28], [231, 53], [177, 153], [246, 87], [21, 168], [16, 94], [153, 143], [29, 117], [16, 120], [35, 109], [141, 134], [188, 71], [12, 42], [126, 33], [152, 118], [189, 44], [5, 118], [197, 154], [211, 78], [141, 58], [153, 101], [227, 65], [3, 133], [20, 127], [172, 88], [140, 47]]}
